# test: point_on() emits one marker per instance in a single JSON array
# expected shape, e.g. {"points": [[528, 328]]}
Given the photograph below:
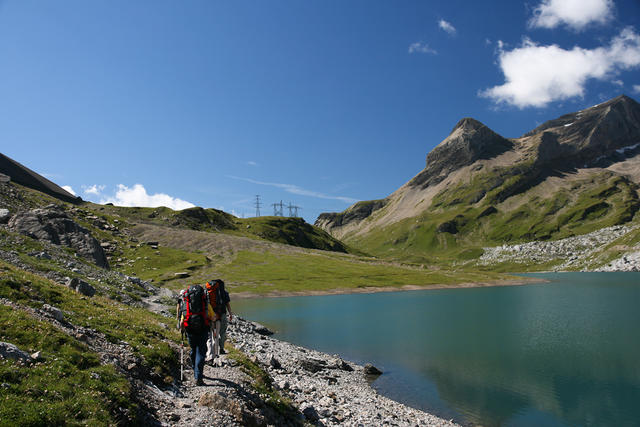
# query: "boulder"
{"points": [[261, 329], [53, 225], [311, 414], [371, 370], [342, 365], [312, 365], [274, 363], [10, 351], [4, 216], [80, 286], [54, 311]]}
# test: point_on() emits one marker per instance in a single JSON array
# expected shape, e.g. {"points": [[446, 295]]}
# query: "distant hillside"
{"points": [[285, 230], [569, 176]]}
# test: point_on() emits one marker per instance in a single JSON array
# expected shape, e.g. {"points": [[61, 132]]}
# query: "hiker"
{"points": [[219, 301], [194, 314]]}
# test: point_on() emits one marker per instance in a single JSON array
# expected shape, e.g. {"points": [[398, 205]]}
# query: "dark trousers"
{"points": [[198, 344]]}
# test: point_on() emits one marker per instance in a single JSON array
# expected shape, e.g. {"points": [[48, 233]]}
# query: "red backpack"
{"points": [[196, 317]]}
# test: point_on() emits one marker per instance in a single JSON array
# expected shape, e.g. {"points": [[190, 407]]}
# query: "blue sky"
{"points": [[315, 103]]}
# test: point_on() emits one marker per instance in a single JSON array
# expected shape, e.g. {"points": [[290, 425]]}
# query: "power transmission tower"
{"points": [[293, 210], [276, 211], [257, 205]]}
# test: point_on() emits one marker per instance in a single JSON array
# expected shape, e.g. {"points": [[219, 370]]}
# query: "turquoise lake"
{"points": [[563, 353]]}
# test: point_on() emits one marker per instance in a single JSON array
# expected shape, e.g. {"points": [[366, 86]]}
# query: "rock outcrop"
{"points": [[52, 224], [357, 212]]}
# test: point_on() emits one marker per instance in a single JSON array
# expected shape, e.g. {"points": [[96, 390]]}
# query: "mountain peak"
{"points": [[469, 141], [468, 123]]}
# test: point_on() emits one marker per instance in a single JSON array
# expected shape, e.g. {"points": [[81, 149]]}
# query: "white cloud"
{"points": [[252, 163], [537, 75], [94, 189], [69, 189], [294, 189], [446, 26], [577, 14], [420, 47], [636, 88], [137, 196], [618, 82]]}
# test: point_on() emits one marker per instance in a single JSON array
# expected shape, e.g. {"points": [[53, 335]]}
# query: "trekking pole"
{"points": [[181, 355]]}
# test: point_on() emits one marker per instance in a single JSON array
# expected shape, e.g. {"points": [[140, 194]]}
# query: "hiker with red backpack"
{"points": [[219, 301], [194, 314]]}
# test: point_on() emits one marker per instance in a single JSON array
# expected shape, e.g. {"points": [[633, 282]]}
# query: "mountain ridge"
{"points": [[576, 173]]}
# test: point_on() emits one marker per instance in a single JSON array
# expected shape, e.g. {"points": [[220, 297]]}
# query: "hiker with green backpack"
{"points": [[194, 315]]}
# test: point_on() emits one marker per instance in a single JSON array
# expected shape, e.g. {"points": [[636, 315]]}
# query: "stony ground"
{"points": [[575, 253]]}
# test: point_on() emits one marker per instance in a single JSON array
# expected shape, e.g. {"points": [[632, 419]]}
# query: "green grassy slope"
{"points": [[286, 230], [70, 384], [497, 207]]}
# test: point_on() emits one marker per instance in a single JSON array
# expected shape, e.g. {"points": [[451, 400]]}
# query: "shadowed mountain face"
{"points": [[574, 174], [468, 142], [25, 176]]}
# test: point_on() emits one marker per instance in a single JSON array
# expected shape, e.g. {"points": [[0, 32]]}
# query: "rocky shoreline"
{"points": [[323, 389], [327, 389]]}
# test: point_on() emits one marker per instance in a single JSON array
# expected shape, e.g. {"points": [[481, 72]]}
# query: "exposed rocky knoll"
{"points": [[52, 224]]}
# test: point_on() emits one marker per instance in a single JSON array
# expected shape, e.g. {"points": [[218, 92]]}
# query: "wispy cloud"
{"points": [[252, 163], [636, 88], [138, 196], [576, 14], [294, 189], [536, 75], [447, 27], [420, 47]]}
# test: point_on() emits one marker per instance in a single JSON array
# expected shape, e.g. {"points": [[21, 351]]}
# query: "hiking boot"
{"points": [[199, 381]]}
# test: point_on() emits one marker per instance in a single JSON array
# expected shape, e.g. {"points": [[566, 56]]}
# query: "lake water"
{"points": [[563, 353]]}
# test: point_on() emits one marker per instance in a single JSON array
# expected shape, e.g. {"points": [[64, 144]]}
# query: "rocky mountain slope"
{"points": [[570, 176]]}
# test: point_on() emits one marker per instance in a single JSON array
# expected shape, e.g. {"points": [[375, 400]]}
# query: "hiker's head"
{"points": [[213, 283]]}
